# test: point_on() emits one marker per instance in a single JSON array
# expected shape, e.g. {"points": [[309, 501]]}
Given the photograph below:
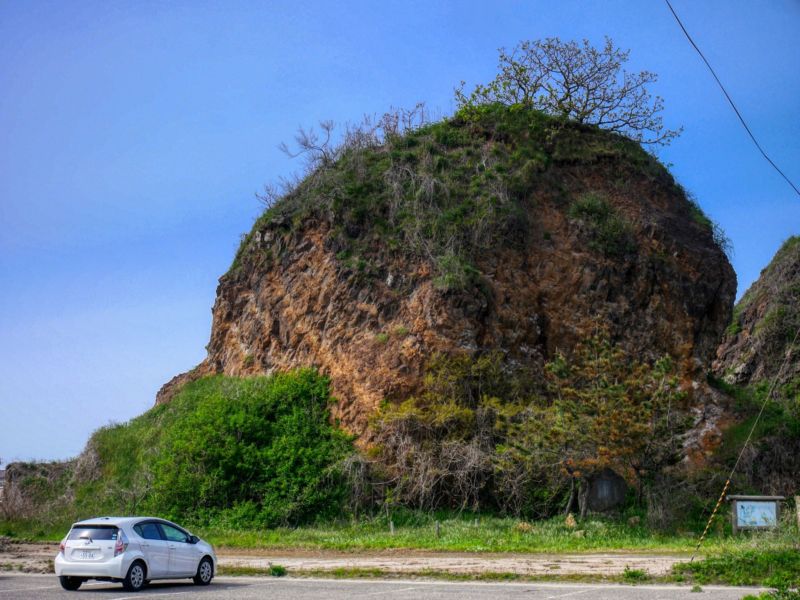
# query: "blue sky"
{"points": [[133, 136]]}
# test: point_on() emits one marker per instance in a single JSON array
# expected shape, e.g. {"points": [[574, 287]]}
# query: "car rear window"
{"points": [[94, 532]]}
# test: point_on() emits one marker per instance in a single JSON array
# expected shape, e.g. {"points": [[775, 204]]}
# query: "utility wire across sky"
{"points": [[730, 100]]}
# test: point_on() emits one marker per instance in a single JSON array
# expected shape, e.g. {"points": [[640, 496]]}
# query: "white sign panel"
{"points": [[750, 513]]}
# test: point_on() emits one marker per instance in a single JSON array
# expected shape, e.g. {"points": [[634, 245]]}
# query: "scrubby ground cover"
{"points": [[769, 558], [413, 530], [463, 533]]}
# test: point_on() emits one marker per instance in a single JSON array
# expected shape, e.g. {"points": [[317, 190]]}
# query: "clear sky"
{"points": [[133, 136]]}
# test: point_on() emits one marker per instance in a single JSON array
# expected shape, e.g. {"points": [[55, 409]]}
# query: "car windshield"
{"points": [[93, 532]]}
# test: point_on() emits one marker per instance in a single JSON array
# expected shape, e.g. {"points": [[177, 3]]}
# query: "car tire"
{"points": [[136, 577], [70, 583], [205, 572]]}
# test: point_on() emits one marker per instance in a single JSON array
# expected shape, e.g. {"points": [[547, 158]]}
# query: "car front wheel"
{"points": [[70, 583], [135, 579], [205, 572]]}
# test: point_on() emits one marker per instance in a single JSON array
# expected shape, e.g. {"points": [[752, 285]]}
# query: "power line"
{"points": [[736, 110]]}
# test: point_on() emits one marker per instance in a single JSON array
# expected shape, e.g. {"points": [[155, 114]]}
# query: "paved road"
{"points": [[287, 588]]}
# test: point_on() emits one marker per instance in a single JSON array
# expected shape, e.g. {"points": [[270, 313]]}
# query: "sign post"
{"points": [[755, 512]]}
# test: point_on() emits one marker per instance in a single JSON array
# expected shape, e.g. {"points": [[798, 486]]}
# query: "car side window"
{"points": [[173, 534], [148, 531]]}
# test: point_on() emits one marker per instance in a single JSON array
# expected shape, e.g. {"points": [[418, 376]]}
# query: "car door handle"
{"points": [[145, 545], [172, 545]]}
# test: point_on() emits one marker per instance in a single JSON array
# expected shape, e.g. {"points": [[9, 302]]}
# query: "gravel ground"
{"points": [[38, 558]]}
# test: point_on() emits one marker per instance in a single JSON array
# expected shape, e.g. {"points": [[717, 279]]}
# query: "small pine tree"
{"points": [[609, 411]]}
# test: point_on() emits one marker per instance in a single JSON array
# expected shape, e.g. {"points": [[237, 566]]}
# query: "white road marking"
{"points": [[569, 594], [405, 589], [151, 595]]}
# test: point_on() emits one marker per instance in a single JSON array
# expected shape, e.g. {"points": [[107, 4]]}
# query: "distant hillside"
{"points": [[765, 322], [756, 346]]}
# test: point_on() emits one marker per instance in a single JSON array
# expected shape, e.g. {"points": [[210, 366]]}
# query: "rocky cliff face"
{"points": [[765, 323], [759, 353], [598, 232]]}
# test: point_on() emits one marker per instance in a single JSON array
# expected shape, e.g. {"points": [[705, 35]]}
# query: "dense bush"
{"points": [[255, 451], [258, 450]]}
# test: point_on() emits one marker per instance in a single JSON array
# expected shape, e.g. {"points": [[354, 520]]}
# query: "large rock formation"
{"points": [[765, 323], [598, 232]]}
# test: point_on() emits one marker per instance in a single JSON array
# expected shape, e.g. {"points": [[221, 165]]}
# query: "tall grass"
{"points": [[464, 532]]}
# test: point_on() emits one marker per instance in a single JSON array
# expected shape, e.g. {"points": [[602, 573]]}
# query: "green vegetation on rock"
{"points": [[609, 232], [481, 437], [447, 191]]}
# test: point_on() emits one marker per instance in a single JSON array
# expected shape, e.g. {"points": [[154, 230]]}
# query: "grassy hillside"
{"points": [[256, 452]]}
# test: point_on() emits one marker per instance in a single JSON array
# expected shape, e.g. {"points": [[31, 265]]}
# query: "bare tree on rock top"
{"points": [[578, 82]]}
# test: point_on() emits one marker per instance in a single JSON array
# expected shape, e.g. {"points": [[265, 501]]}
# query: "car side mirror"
{"points": [[193, 539]]}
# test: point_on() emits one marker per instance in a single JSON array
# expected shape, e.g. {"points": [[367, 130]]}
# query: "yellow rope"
{"points": [[711, 518]]}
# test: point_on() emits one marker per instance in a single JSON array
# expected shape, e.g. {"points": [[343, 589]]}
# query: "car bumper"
{"points": [[116, 568]]}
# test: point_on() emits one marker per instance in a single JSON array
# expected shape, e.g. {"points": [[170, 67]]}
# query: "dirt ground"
{"points": [[26, 557], [38, 558]]}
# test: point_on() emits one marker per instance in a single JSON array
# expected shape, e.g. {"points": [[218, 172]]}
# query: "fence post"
{"points": [[797, 509], [438, 529], [391, 527]]}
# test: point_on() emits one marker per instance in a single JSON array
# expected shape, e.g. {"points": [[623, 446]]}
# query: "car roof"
{"points": [[118, 521]]}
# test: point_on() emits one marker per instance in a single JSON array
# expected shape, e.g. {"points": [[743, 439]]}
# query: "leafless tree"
{"points": [[317, 147], [577, 82]]}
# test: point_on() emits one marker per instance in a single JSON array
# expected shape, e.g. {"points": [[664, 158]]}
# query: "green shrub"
{"points": [[256, 450], [610, 233], [634, 575], [277, 570], [400, 331], [702, 219], [776, 595], [454, 273]]}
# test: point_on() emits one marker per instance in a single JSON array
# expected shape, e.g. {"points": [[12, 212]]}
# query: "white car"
{"points": [[132, 551]]}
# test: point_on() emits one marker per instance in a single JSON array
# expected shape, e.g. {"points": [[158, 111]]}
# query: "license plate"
{"points": [[86, 555]]}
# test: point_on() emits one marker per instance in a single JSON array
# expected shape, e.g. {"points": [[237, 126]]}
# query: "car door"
{"points": [[154, 547], [183, 556]]}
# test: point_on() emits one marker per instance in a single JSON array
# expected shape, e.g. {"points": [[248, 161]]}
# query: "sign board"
{"points": [[755, 512]]}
